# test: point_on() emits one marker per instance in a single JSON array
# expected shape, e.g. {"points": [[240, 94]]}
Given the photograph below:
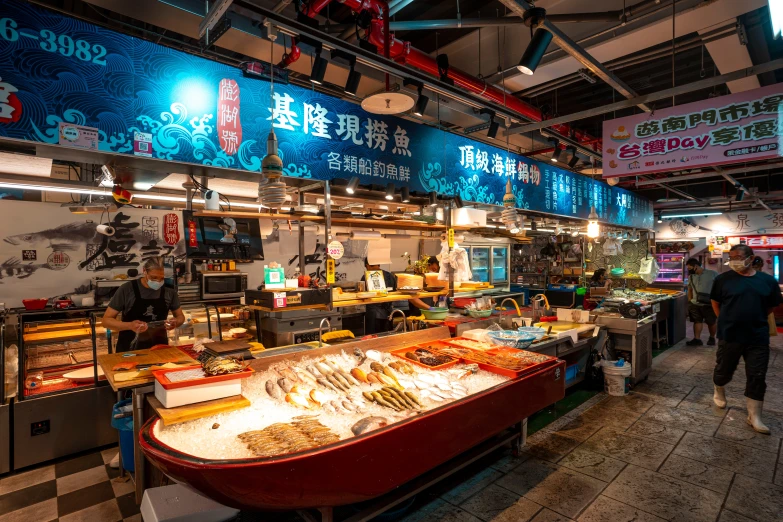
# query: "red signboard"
{"points": [[192, 239], [229, 126], [171, 228]]}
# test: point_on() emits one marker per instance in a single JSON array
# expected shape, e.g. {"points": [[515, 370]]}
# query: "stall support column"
{"points": [[302, 264], [519, 443], [138, 421]]}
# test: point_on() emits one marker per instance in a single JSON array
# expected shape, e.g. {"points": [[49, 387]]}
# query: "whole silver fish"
{"points": [[272, 389], [368, 424]]}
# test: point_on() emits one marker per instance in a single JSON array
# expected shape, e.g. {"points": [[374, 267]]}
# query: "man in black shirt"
{"points": [[742, 300]]}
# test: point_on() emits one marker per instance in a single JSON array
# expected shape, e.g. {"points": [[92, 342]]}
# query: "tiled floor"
{"points": [[80, 489], [663, 453]]}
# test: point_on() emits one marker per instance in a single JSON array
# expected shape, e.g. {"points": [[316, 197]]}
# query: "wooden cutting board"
{"points": [[159, 356], [224, 347], [190, 412]]}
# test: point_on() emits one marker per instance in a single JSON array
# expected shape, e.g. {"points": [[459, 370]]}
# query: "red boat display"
{"points": [[366, 466]]}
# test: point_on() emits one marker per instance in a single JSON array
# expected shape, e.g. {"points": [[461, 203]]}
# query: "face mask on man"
{"points": [[154, 285], [739, 265], [691, 271]]}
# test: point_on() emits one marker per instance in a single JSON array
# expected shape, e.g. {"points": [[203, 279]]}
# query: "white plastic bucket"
{"points": [[616, 378]]}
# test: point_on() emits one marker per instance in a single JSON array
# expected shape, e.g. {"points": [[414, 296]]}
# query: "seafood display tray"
{"points": [[471, 356], [432, 346], [162, 377]]}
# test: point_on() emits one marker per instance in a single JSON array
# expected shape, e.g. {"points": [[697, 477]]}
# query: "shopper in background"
{"points": [[376, 316], [425, 303], [599, 280], [700, 310], [743, 299]]}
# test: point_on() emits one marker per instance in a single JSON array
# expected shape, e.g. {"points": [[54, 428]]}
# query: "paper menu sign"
{"points": [[375, 281]]}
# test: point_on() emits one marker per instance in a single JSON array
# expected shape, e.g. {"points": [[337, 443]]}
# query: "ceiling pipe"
{"points": [[716, 202], [609, 30], [714, 174], [739, 186], [648, 56], [520, 7], [403, 52], [654, 96]]}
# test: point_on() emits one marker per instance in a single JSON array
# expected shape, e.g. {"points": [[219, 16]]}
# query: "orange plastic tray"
{"points": [[433, 347], [161, 377]]}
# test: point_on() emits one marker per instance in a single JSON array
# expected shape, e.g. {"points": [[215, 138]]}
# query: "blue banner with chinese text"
{"points": [[149, 100]]}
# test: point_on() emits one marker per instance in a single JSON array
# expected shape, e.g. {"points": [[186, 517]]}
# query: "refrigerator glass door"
{"points": [[499, 265], [479, 263]]}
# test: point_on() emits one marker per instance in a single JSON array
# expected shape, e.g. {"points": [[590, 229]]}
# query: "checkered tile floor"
{"points": [[71, 490]]}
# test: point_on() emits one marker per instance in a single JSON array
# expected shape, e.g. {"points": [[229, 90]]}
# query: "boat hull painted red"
{"points": [[364, 467]]}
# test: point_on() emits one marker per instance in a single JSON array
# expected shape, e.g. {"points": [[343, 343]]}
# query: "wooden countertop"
{"points": [[387, 299], [159, 356]]}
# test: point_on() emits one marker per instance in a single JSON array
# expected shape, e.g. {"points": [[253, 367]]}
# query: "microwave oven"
{"points": [[223, 285]]}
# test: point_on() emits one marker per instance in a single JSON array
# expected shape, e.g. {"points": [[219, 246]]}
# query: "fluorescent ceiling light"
{"points": [[692, 214], [44, 188]]}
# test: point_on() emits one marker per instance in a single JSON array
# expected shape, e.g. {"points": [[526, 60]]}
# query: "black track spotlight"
{"points": [[353, 184], [557, 152], [390, 191], [319, 69], [352, 84], [405, 195], [534, 52], [740, 193], [493, 128], [421, 104], [660, 218], [574, 158], [458, 201], [433, 199]]}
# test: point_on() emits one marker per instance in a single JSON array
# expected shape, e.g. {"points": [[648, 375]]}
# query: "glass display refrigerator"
{"points": [[64, 403], [671, 268], [500, 266], [479, 263], [490, 264]]}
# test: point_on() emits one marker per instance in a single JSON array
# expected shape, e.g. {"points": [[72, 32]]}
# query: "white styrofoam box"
{"points": [[199, 393], [468, 217], [177, 503]]}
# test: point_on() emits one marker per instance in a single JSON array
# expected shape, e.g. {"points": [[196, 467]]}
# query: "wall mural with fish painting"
{"points": [[67, 82], [53, 251]]}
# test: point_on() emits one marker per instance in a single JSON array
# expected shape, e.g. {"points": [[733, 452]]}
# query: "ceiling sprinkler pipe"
{"points": [[403, 52], [290, 57]]}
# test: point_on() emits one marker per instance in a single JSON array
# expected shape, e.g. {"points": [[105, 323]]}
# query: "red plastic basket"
{"points": [[34, 304]]}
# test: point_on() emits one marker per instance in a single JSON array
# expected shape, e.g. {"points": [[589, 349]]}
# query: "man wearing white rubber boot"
{"points": [[742, 300]]}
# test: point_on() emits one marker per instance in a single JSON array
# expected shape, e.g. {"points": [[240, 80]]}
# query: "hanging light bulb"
{"points": [[593, 230]]}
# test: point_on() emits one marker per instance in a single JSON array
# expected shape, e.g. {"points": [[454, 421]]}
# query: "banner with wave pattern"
{"points": [[57, 69]]}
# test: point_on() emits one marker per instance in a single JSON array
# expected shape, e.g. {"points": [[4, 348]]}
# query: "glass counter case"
{"points": [[57, 352], [234, 322], [479, 264]]}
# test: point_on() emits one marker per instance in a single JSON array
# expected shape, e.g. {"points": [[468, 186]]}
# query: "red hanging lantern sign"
{"points": [[171, 228], [229, 126]]}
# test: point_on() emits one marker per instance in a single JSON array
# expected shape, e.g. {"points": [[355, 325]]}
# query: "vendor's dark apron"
{"points": [[147, 310]]}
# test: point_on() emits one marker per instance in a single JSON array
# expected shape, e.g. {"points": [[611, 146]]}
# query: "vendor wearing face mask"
{"points": [[743, 299], [143, 301]]}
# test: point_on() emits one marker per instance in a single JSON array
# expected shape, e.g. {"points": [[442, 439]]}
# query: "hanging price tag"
{"points": [[330, 271], [335, 250], [192, 239], [451, 238]]}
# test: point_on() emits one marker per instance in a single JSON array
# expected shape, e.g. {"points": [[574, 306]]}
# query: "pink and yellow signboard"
{"points": [[729, 129]]}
